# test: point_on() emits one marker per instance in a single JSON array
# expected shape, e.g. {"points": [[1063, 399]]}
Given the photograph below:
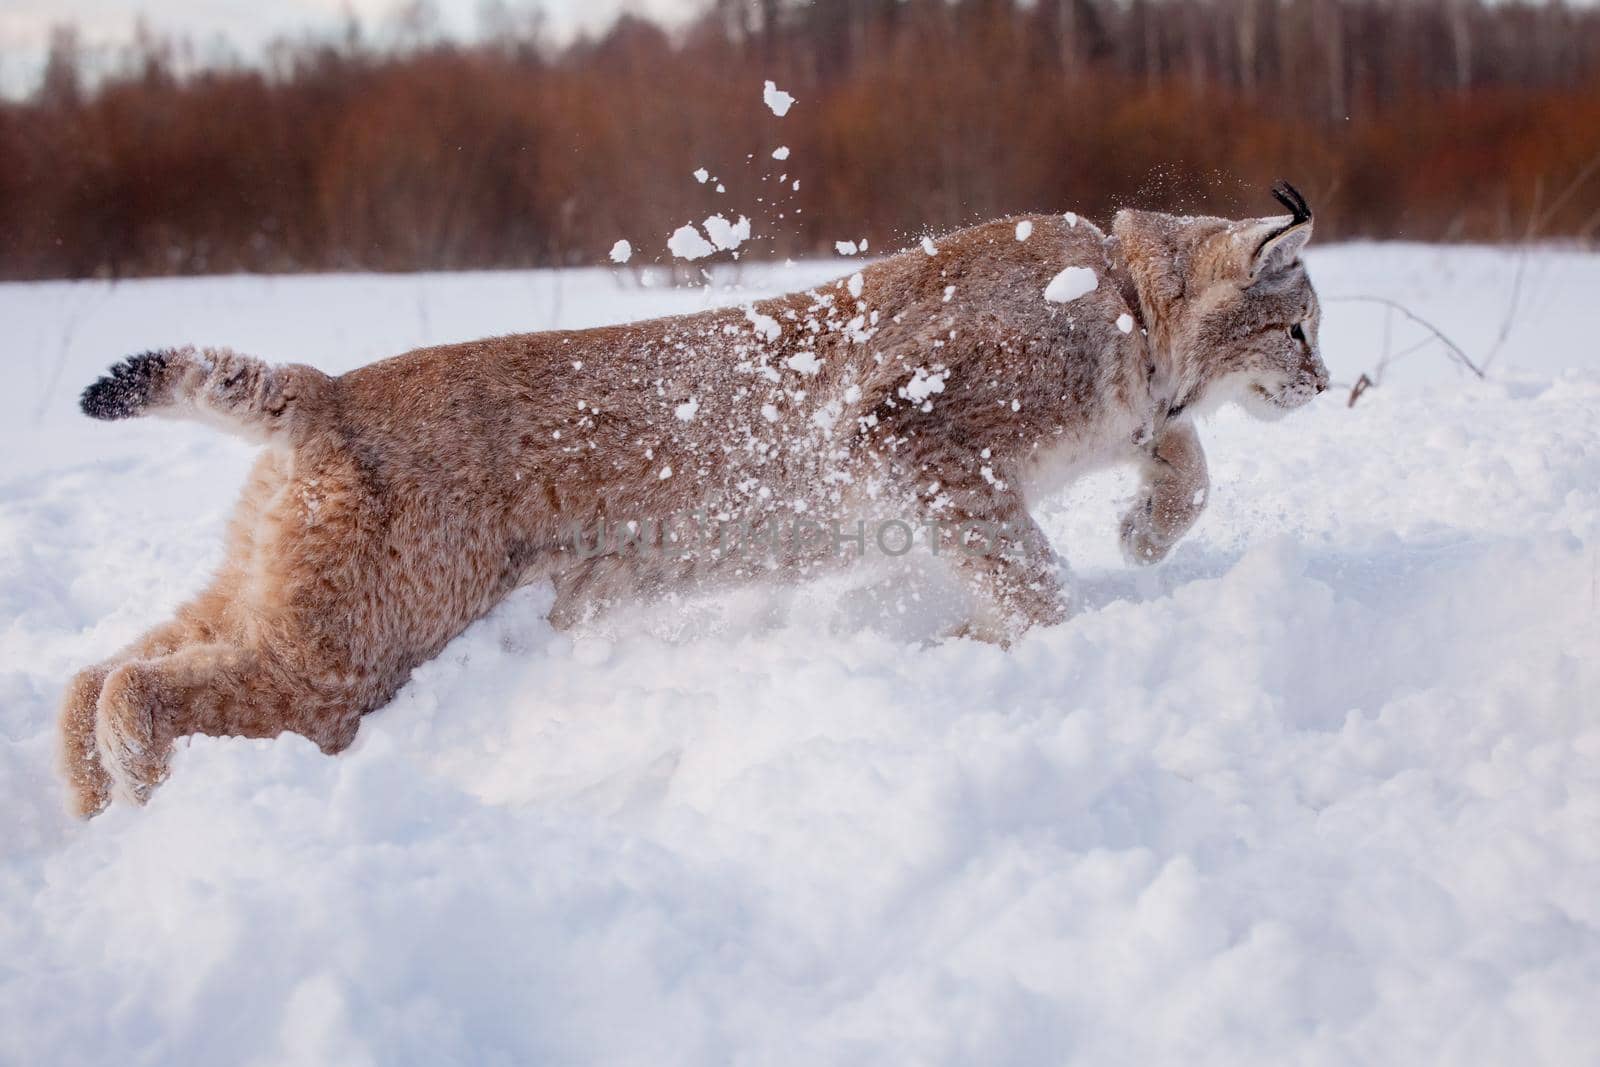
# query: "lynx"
{"points": [[953, 384]]}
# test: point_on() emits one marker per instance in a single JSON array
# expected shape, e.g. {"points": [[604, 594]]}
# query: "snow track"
{"points": [[1324, 788]]}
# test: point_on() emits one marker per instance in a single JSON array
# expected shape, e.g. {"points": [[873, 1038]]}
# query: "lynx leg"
{"points": [[1172, 497], [217, 689], [87, 782], [146, 704], [1002, 556], [88, 786]]}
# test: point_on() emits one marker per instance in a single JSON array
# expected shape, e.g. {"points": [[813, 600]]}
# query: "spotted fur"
{"points": [[395, 504]]}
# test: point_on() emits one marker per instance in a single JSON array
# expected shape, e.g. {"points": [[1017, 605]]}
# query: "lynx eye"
{"points": [[1298, 333]]}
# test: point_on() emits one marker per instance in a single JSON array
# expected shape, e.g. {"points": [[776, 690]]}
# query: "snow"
{"points": [[1321, 788], [764, 325], [702, 175], [1125, 322], [924, 384], [1070, 284], [1024, 230], [845, 248], [804, 362], [855, 284], [727, 235], [621, 252], [781, 152], [778, 101], [687, 243], [929, 247]]}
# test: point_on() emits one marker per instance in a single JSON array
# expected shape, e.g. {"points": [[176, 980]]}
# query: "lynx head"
{"points": [[1234, 314]]}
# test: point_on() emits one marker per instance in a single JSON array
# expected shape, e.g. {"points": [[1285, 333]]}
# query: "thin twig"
{"points": [[1453, 348], [1536, 220], [1363, 383]]}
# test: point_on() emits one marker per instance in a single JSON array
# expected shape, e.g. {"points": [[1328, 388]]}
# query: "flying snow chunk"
{"points": [[929, 247], [856, 283], [1024, 230], [1071, 284], [726, 235], [686, 243], [775, 98], [845, 248], [1072, 220], [621, 252], [702, 175], [1125, 322], [781, 152]]}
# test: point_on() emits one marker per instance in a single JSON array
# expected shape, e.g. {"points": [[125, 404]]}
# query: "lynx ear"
{"points": [[1285, 236]]}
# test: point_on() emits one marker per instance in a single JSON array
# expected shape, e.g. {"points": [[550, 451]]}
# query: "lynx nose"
{"points": [[1318, 373]]}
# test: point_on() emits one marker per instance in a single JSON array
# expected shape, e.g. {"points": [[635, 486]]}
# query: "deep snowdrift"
{"points": [[1324, 788]]}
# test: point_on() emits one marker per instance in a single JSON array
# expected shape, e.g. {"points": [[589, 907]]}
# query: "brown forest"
{"points": [[1423, 119]]}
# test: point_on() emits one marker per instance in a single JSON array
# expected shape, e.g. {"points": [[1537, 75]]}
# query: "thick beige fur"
{"points": [[395, 504]]}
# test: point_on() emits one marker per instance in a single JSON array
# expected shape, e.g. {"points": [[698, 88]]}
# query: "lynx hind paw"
{"points": [[77, 758], [125, 737], [126, 389], [85, 800]]}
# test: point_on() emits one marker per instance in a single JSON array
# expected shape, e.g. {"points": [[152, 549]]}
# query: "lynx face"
{"points": [[1236, 314], [1272, 363]]}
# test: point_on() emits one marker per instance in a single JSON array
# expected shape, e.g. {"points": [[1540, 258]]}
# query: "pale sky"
{"points": [[248, 24]]}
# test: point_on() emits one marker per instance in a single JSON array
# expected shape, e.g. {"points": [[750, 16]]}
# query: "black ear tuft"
{"points": [[125, 389], [1290, 197]]}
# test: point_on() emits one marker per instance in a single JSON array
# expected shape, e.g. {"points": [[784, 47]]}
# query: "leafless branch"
{"points": [[1454, 349]]}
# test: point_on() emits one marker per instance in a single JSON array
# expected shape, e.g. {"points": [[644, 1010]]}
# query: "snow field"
{"points": [[1323, 788]]}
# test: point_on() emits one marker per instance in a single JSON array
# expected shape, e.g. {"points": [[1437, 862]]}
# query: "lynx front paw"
{"points": [[125, 735], [1140, 545]]}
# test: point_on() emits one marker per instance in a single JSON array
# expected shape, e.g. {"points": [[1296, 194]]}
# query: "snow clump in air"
{"points": [[781, 152], [702, 175], [1024, 230], [621, 252], [686, 243], [775, 98], [727, 235]]}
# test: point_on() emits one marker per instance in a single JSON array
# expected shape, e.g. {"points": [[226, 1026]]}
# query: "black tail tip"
{"points": [[125, 389]]}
